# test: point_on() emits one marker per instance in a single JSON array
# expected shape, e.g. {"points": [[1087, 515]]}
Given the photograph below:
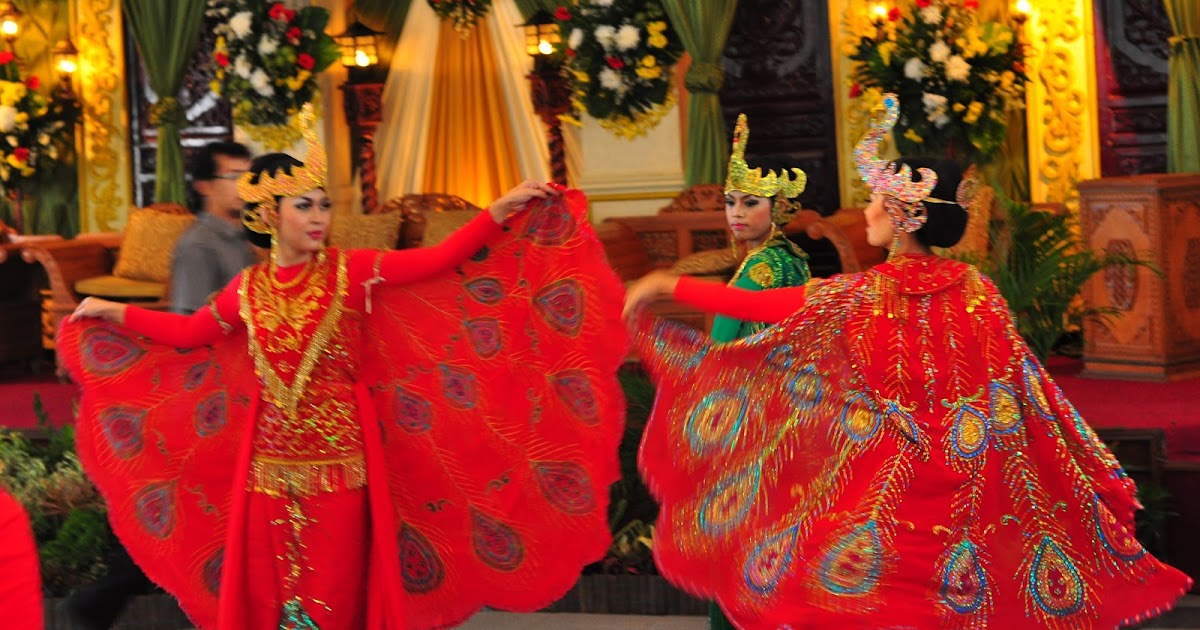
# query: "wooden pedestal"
{"points": [[1157, 334]]}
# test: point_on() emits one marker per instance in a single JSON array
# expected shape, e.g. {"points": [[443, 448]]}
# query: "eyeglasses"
{"points": [[231, 176]]}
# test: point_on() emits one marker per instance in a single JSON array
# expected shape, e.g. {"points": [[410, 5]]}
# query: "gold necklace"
{"points": [[301, 275]]}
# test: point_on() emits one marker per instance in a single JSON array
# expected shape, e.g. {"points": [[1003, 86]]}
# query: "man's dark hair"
{"points": [[204, 163]]}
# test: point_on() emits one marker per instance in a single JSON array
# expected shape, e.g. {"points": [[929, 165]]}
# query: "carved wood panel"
{"points": [[778, 72], [209, 117], [1131, 76]]}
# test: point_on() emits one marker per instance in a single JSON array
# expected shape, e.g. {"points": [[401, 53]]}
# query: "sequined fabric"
{"points": [[778, 263], [889, 456]]}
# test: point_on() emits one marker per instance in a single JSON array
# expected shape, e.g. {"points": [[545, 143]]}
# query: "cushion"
{"points": [[439, 225], [706, 263], [148, 245], [366, 231], [121, 288]]}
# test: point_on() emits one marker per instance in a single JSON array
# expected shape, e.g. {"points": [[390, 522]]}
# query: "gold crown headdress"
{"points": [[904, 199], [751, 181], [302, 179]]}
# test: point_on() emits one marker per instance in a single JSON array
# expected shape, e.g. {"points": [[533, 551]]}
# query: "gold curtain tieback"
{"points": [[704, 76]]}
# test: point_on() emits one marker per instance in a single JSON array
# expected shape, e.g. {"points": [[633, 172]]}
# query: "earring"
{"points": [[895, 248]]}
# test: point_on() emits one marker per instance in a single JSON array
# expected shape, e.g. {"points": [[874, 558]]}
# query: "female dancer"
{"points": [[363, 439], [890, 454]]}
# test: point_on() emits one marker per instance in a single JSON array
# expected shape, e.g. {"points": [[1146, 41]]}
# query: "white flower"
{"points": [[52, 152], [262, 83], [628, 37], [957, 69], [611, 80], [242, 67], [602, 3], [914, 69], [575, 39], [605, 35], [240, 24], [940, 121], [939, 52], [935, 107], [931, 14], [44, 139], [267, 45], [13, 141], [8, 118]]}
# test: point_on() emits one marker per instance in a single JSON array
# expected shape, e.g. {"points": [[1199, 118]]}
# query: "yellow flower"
{"points": [[656, 27], [649, 73], [958, 107], [649, 61], [296, 82], [215, 86], [21, 118], [885, 52], [914, 136], [1007, 78], [973, 112], [582, 76], [657, 40]]}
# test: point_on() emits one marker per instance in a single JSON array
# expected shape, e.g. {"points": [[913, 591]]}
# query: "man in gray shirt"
{"points": [[212, 252]]}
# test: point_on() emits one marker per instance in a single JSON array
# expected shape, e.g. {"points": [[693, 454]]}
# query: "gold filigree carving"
{"points": [[104, 183], [1063, 140]]}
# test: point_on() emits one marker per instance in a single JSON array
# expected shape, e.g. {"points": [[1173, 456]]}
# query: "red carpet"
{"points": [[1173, 407], [16, 401], [1104, 404]]}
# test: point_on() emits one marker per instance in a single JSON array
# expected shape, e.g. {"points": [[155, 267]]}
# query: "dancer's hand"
{"points": [[515, 199], [652, 287], [113, 312]]}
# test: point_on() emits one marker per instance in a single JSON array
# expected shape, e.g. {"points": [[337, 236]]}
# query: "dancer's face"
{"points": [[749, 216], [304, 220], [879, 224]]}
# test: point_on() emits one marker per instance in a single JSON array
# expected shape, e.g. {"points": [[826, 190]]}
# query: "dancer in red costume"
{"points": [[20, 582], [362, 439], [890, 454]]}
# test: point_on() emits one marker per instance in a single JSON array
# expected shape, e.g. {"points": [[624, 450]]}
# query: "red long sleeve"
{"points": [[769, 306], [404, 266], [187, 331], [20, 586]]}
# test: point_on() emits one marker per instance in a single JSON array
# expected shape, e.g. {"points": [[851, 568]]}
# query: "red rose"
{"points": [[33, 82], [562, 14], [921, 4], [893, 14], [971, 4], [222, 59], [278, 12], [306, 61], [615, 63], [293, 34], [21, 153], [5, 56], [855, 90], [571, 52], [289, 14]]}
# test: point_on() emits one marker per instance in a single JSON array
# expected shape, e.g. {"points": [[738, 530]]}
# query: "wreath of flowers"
{"points": [[267, 57], [464, 13], [37, 130], [958, 78], [618, 53]]}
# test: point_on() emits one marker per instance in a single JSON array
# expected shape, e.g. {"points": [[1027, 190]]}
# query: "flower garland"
{"points": [[618, 53], [267, 57], [37, 130], [464, 13], [958, 78]]}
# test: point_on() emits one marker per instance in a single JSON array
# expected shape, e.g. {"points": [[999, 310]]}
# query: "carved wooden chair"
{"points": [[430, 217]]}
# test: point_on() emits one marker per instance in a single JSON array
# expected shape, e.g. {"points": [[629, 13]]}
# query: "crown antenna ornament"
{"points": [[300, 180]]}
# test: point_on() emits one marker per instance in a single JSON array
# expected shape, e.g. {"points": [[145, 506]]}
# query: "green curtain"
{"points": [[166, 33], [1183, 96], [703, 26], [384, 15], [529, 7]]}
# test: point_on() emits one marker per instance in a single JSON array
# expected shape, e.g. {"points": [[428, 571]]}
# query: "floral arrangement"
{"points": [[267, 57], [618, 53], [958, 78], [38, 130], [464, 13]]}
